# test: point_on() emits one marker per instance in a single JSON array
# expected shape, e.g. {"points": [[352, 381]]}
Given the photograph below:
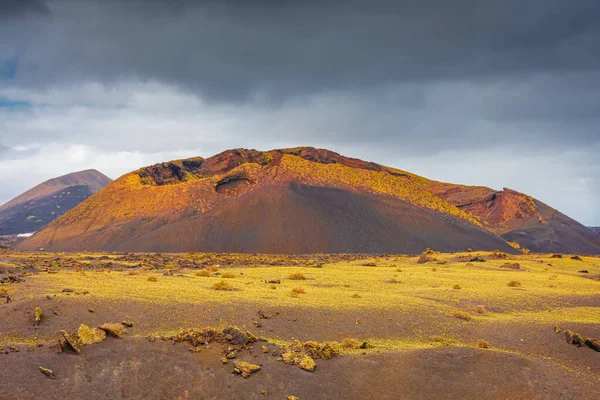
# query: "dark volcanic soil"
{"points": [[138, 369]]}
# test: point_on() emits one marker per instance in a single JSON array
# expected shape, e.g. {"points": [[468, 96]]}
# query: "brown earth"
{"points": [[135, 368], [304, 200]]}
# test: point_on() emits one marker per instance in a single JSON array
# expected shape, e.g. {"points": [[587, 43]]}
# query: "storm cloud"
{"points": [[479, 92]]}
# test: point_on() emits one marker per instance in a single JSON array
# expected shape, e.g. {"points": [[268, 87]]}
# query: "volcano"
{"points": [[42, 204], [302, 200]]}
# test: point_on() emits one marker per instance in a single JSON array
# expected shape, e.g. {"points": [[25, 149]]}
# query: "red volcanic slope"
{"points": [[300, 200]]}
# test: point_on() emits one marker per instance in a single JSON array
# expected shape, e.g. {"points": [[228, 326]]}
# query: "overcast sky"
{"points": [[495, 93]]}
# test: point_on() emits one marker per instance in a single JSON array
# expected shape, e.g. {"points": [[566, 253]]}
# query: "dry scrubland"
{"points": [[450, 325]]}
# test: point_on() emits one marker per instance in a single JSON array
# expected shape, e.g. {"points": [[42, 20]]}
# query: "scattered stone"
{"points": [[231, 355], [576, 258], [292, 398], [511, 266], [71, 342], [91, 310], [48, 372], [264, 392], [584, 271], [307, 364], [245, 369], [426, 256], [38, 315], [68, 290], [556, 256], [262, 315], [499, 255], [89, 335], [265, 349], [557, 330], [578, 340], [477, 258], [593, 344], [224, 360], [116, 330], [128, 324], [574, 338]]}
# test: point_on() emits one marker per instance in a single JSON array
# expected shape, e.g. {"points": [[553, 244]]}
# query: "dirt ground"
{"points": [[415, 349]]}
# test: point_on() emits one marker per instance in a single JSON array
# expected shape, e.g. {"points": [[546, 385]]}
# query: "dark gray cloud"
{"points": [[389, 81], [22, 8], [233, 50]]}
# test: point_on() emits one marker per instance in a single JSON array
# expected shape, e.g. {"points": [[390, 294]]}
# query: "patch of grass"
{"points": [[133, 272], [298, 290], [228, 275], [203, 273], [297, 276], [514, 284], [465, 316], [152, 279], [456, 287], [222, 285]]}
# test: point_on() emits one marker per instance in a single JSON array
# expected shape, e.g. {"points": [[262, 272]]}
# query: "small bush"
{"points": [[222, 285], [482, 344], [298, 290], [227, 275], [434, 269], [514, 284], [456, 287], [480, 309], [511, 265], [399, 270], [203, 273], [134, 272], [350, 343], [152, 279], [460, 315], [297, 276]]}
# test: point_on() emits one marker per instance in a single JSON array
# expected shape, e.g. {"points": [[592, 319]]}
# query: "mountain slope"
{"points": [[42, 204], [520, 218], [595, 228], [300, 200]]}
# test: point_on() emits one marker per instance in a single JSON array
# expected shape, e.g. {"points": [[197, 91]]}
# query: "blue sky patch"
{"points": [[5, 103]]}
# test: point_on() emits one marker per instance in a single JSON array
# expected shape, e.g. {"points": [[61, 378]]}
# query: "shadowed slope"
{"points": [[42, 204]]}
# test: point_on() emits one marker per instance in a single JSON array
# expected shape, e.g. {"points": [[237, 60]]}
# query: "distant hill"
{"points": [[517, 217], [595, 228], [304, 200], [37, 207]]}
